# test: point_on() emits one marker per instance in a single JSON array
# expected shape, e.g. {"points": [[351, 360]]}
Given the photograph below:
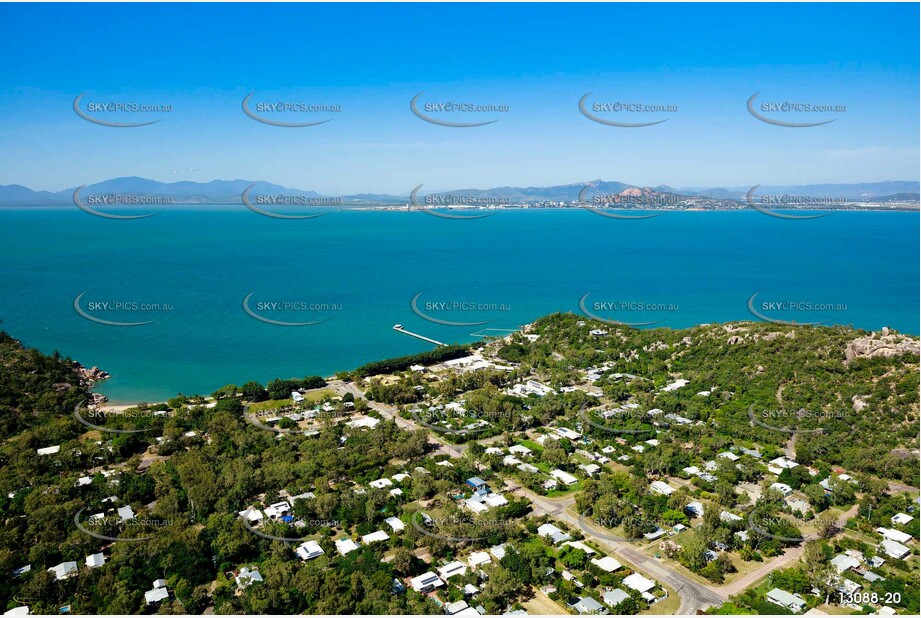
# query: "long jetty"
{"points": [[399, 328]]}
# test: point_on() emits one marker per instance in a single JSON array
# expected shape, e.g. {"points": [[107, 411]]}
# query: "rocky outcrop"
{"points": [[884, 343], [89, 376]]}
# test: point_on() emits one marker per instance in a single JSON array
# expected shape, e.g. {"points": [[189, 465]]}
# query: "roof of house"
{"points": [[375, 537], [607, 563], [639, 583], [615, 597], [785, 598], [425, 580]]}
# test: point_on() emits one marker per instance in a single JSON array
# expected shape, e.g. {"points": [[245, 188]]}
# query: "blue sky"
{"points": [[537, 59]]}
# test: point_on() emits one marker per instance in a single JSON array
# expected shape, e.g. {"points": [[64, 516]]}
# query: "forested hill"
{"points": [[36, 390], [847, 397]]}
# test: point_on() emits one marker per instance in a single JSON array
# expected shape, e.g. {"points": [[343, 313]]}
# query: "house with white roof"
{"points": [[247, 577], [637, 582], [49, 450], [661, 488], [894, 549], [381, 483], [696, 508], [395, 523], [95, 560], [607, 564], [251, 515], [309, 550], [615, 597], [894, 535], [843, 562], [478, 558], [563, 477], [783, 488], [426, 582], [580, 545], [785, 599], [451, 569], [568, 433], [64, 570], [278, 509], [519, 449], [125, 513], [156, 595], [363, 422], [900, 519], [588, 605], [344, 546], [553, 533], [498, 551], [375, 537]]}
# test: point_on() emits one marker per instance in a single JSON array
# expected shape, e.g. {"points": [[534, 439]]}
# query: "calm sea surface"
{"points": [[187, 272]]}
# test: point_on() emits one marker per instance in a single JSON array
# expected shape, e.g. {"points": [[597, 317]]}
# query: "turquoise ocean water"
{"points": [[364, 268]]}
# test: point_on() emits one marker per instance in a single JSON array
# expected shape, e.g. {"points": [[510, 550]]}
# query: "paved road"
{"points": [[694, 596]]}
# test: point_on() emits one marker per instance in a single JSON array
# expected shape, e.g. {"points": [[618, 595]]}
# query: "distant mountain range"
{"points": [[230, 192]]}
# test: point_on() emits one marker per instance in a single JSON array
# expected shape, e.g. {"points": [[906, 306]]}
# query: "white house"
{"points": [[607, 564], [247, 577], [639, 583], [49, 450], [64, 570], [426, 582], [894, 535], [395, 523], [783, 488], [375, 537], [696, 508], [95, 560], [615, 597], [563, 477], [900, 519], [344, 546], [451, 569], [661, 488], [785, 599], [309, 550], [894, 549], [478, 558], [156, 595]]}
